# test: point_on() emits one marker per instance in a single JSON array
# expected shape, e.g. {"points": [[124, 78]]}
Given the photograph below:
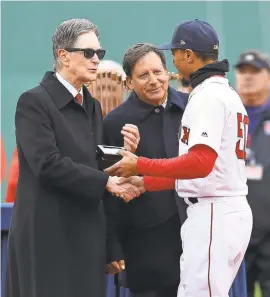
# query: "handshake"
{"points": [[123, 181], [126, 188]]}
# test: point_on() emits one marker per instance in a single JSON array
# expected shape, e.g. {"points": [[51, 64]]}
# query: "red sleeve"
{"points": [[197, 163], [153, 184], [13, 178]]}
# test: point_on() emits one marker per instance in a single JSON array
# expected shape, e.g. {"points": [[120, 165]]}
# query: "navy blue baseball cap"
{"points": [[254, 58], [195, 35]]}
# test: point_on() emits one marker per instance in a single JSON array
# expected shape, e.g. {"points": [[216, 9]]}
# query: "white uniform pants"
{"points": [[215, 237]]}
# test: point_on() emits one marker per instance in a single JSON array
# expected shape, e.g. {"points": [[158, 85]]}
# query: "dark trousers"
{"points": [[164, 292], [152, 257], [258, 266]]}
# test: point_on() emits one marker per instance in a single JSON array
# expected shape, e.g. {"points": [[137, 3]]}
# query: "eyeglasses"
{"points": [[88, 52]]}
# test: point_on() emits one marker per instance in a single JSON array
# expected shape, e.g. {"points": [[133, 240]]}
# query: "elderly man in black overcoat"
{"points": [[57, 236]]}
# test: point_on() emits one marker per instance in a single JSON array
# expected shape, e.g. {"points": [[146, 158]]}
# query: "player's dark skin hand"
{"points": [[126, 167]]}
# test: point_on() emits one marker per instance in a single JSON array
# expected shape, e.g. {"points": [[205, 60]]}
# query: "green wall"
{"points": [[27, 28]]}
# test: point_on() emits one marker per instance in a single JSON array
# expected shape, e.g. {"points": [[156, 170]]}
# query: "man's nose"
{"points": [[247, 75], [152, 78], [95, 59]]}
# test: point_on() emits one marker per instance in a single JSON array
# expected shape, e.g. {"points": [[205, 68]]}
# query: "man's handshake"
{"points": [[126, 188], [133, 186]]}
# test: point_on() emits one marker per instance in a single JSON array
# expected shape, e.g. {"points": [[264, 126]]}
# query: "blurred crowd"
{"points": [[252, 82]]}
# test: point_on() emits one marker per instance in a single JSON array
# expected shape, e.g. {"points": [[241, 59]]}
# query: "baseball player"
{"points": [[210, 170]]}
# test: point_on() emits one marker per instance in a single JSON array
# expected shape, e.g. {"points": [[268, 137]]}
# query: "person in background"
{"points": [[184, 85], [109, 88], [3, 160], [252, 84], [13, 176], [144, 234]]}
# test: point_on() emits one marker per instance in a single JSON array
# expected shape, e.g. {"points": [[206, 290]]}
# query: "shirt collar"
{"points": [[212, 79], [68, 85], [175, 98], [164, 104]]}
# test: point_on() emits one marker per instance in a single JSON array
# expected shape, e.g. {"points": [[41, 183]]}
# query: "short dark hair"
{"points": [[207, 56], [138, 51]]}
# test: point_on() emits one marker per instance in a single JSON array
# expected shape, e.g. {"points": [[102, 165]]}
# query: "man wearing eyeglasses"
{"points": [[57, 237]]}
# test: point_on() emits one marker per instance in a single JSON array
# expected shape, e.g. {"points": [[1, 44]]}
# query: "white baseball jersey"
{"points": [[216, 117]]}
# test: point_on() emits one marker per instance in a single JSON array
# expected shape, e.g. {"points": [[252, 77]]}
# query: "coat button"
{"points": [[157, 110]]}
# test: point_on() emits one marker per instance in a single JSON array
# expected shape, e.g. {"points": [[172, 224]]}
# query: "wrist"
{"points": [[140, 165], [136, 162], [109, 183], [142, 185]]}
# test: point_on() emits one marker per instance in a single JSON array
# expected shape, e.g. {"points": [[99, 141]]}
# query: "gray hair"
{"points": [[138, 51], [67, 34]]}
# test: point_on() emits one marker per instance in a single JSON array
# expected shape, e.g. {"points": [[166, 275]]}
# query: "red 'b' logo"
{"points": [[185, 136]]}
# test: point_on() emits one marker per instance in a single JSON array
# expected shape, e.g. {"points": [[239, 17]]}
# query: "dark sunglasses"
{"points": [[88, 52]]}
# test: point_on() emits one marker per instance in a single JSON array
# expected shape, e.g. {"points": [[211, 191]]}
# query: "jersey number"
{"points": [[242, 125]]}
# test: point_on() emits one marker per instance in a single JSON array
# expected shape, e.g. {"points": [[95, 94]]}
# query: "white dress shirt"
{"points": [[68, 86]]}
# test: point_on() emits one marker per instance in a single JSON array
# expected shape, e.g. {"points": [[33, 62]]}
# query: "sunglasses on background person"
{"points": [[88, 52]]}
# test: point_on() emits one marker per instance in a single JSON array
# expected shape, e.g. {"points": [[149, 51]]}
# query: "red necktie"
{"points": [[78, 98]]}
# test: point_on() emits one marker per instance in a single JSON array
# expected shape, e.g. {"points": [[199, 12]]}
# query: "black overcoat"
{"points": [[57, 237], [146, 231]]}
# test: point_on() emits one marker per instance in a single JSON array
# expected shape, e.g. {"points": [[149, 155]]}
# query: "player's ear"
{"points": [[189, 55]]}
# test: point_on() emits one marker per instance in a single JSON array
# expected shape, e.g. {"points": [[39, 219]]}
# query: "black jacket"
{"points": [[259, 190], [57, 237], [159, 130]]}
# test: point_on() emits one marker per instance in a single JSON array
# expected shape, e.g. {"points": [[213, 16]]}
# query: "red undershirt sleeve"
{"points": [[160, 174], [153, 184]]}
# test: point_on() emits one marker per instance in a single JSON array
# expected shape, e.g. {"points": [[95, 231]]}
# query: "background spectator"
{"points": [[109, 87], [252, 84], [3, 160], [13, 176]]}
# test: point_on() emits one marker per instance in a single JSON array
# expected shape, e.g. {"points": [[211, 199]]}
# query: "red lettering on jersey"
{"points": [[242, 120], [185, 137]]}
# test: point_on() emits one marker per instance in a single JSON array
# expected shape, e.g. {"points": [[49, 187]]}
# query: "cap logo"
{"points": [[249, 57], [215, 47], [182, 42]]}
